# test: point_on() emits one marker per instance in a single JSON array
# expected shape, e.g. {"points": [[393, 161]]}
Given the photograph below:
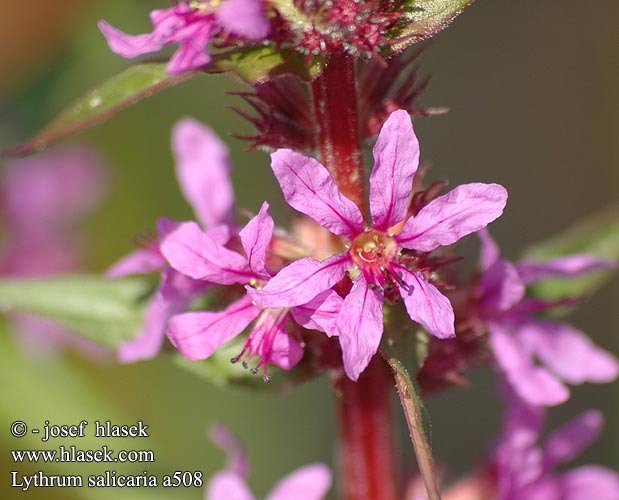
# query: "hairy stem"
{"points": [[334, 94], [366, 439], [412, 411]]}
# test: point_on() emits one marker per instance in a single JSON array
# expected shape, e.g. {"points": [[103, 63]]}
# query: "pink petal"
{"points": [[590, 482], [360, 324], [569, 266], [196, 254], [567, 442], [489, 251], [311, 482], [237, 461], [569, 353], [245, 18], [464, 210], [173, 296], [533, 384], [255, 238], [165, 23], [203, 171], [191, 53], [500, 287], [140, 261], [320, 313], [396, 158], [286, 351], [299, 282], [52, 190], [308, 188], [227, 486], [427, 306], [198, 334]]}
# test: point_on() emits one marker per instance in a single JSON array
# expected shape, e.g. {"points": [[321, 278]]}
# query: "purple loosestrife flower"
{"points": [[197, 335], [41, 200], [311, 482], [191, 25], [524, 469], [381, 257], [516, 338], [203, 172]]}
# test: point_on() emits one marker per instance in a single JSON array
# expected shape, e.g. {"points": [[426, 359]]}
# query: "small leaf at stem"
{"points": [[413, 411], [103, 310], [102, 102], [259, 64], [598, 235], [425, 19]]}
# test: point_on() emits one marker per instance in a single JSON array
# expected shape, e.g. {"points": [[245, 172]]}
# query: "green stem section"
{"points": [[412, 411]]}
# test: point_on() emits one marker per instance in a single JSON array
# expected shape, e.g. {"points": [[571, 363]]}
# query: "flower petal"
{"points": [[244, 18], [396, 158], [269, 340], [590, 481], [165, 23], [567, 442], [255, 238], [311, 482], [203, 171], [426, 305], [569, 353], [227, 486], [191, 52], [533, 384], [237, 461], [299, 282], [500, 287], [308, 188], [173, 296], [360, 324], [196, 254], [489, 251], [569, 266], [197, 334], [140, 261], [446, 219], [320, 313]]}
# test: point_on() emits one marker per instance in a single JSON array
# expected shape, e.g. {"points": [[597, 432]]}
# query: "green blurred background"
{"points": [[532, 88]]}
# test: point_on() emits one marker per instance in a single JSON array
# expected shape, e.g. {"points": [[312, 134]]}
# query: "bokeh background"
{"points": [[532, 89]]}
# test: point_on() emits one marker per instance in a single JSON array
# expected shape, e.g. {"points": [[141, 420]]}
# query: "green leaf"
{"points": [[261, 63], [107, 311], [598, 235], [424, 19], [102, 102]]}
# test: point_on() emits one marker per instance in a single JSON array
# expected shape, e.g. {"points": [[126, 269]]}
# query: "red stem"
{"points": [[334, 94], [366, 445], [366, 450]]}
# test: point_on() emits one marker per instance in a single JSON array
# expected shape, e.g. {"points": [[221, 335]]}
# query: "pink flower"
{"points": [[203, 172], [516, 338], [197, 335], [311, 482], [41, 200], [382, 257], [524, 469], [191, 25]]}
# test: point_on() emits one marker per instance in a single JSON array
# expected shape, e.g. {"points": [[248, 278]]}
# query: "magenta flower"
{"points": [[197, 335], [381, 257], [311, 482], [42, 198], [203, 172], [524, 470], [516, 338], [191, 25]]}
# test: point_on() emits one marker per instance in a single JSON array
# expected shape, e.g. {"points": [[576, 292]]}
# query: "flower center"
{"points": [[373, 249]]}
